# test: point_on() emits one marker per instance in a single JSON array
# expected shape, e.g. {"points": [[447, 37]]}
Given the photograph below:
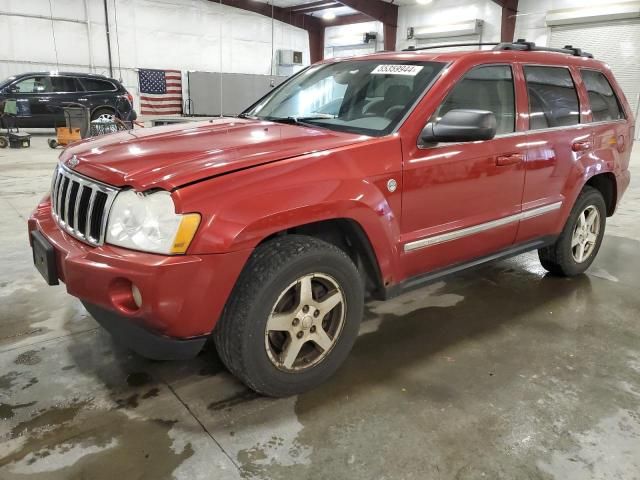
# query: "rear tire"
{"points": [[103, 113], [295, 294], [578, 244], [4, 142]]}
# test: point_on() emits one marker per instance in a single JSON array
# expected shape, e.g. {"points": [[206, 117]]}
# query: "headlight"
{"points": [[149, 223]]}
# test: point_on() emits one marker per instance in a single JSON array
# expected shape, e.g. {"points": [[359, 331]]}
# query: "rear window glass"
{"points": [[605, 106], [553, 100], [94, 85]]}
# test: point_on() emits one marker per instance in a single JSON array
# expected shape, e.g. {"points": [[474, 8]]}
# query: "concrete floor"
{"points": [[502, 372]]}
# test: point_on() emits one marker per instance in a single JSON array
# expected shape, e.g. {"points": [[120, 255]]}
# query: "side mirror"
{"points": [[461, 126], [11, 89]]}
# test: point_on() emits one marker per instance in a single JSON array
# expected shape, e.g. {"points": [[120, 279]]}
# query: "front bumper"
{"points": [[142, 341], [182, 296]]}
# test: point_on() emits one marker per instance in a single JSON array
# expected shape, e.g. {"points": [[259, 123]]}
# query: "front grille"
{"points": [[81, 205]]}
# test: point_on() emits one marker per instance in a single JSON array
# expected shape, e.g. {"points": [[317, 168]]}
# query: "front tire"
{"points": [[292, 317], [578, 244]]}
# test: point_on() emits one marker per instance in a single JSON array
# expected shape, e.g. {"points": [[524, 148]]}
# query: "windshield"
{"points": [[7, 80], [360, 96]]}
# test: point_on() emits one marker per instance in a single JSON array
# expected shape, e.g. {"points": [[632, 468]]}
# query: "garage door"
{"points": [[616, 43]]}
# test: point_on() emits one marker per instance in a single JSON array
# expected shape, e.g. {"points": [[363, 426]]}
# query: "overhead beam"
{"points": [[377, 9], [384, 12], [509, 12], [314, 6], [348, 20], [313, 25]]}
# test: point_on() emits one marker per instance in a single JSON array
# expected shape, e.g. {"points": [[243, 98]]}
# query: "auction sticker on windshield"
{"points": [[410, 70]]}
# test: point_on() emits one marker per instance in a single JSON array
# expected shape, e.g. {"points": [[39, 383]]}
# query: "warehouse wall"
{"points": [[530, 23], [441, 12], [346, 40], [150, 33]]}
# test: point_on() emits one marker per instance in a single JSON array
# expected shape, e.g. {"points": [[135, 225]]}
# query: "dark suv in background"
{"points": [[40, 96]]}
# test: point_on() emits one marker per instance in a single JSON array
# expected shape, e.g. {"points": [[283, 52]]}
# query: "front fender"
{"points": [[241, 209]]}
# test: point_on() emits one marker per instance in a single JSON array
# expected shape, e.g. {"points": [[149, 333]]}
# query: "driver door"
{"points": [[461, 200]]}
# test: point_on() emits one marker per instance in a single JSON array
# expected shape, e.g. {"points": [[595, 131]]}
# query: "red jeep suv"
{"points": [[356, 177]]}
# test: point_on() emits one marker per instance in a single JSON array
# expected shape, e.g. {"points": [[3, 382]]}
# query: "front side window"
{"points": [[605, 106], [553, 99], [38, 84], [360, 96], [485, 88]]}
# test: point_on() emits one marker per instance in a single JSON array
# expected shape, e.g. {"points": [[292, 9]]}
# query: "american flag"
{"points": [[160, 91]]}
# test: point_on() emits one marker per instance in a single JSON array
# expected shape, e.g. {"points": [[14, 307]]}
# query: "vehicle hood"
{"points": [[171, 156]]}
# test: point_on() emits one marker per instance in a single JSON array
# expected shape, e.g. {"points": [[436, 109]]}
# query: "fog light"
{"points": [[137, 296]]}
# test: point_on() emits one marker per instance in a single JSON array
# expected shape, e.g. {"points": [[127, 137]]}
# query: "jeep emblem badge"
{"points": [[72, 162], [392, 185]]}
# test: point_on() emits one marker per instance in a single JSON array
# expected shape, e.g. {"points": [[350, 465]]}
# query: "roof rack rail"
{"points": [[445, 45], [522, 45]]}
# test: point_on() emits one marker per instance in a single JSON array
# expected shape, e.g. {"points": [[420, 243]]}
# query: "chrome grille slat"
{"points": [[68, 190], [76, 207], [87, 225]]}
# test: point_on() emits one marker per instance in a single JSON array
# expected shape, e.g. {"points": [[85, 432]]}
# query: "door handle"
{"points": [[82, 99], [581, 146], [43, 100], [512, 159]]}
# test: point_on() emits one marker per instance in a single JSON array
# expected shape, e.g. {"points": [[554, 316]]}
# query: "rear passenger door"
{"points": [[98, 93], [461, 200], [64, 91], [556, 140]]}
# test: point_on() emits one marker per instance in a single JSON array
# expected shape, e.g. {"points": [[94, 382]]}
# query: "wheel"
{"points": [[292, 317], [103, 114], [578, 244], [4, 142], [52, 143]]}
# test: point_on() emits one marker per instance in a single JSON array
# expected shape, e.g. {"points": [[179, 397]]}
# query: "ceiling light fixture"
{"points": [[329, 16], [423, 2]]}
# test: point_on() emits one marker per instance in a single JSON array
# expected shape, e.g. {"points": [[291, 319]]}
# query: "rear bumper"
{"points": [[182, 295]]}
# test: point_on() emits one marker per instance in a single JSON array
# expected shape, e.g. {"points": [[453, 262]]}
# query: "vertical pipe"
{"points": [[221, 24], [106, 23], [272, 39], [88, 18]]}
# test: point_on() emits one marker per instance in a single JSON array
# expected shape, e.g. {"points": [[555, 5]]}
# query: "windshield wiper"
{"points": [[301, 120]]}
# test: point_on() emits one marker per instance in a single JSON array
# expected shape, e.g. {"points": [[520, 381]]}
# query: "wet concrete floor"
{"points": [[500, 373]]}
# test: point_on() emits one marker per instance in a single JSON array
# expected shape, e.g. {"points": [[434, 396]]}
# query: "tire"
{"points": [[52, 143], [100, 112], [563, 258], [4, 143], [272, 282]]}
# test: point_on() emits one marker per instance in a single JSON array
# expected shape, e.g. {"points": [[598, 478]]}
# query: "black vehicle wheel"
{"points": [[52, 143], [4, 142], [578, 244], [103, 114], [293, 316]]}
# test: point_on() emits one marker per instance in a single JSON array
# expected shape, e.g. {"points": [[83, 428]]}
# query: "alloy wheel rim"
{"points": [[305, 322], [105, 116], [585, 234]]}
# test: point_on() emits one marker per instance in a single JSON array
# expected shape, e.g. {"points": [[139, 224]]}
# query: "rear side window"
{"points": [[553, 99], [485, 88], [63, 84], [95, 85], [605, 106]]}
